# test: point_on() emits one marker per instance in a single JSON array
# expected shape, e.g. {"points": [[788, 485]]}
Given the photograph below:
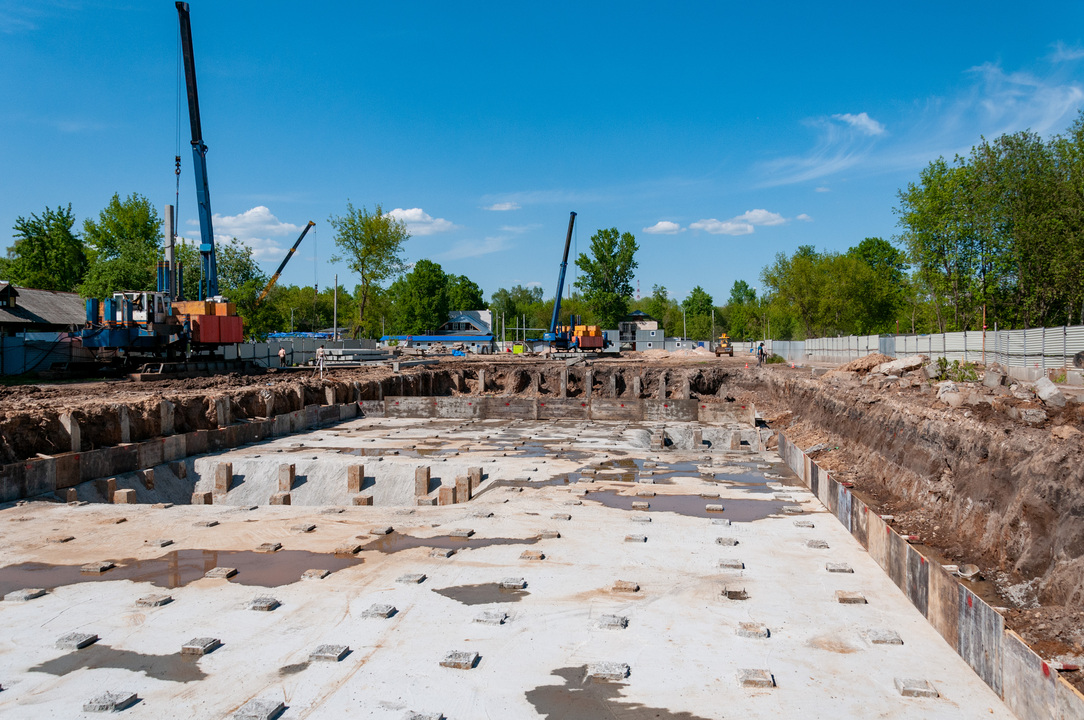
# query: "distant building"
{"points": [[466, 330], [634, 321], [26, 310]]}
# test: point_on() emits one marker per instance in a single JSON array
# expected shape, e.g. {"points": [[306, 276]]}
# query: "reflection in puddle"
{"points": [[179, 568], [482, 594], [160, 667], [734, 509], [399, 541]]}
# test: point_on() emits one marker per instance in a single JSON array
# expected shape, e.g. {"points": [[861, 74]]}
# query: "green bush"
{"points": [[774, 359]]}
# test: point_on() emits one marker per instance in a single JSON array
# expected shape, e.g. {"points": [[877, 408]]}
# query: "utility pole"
{"points": [[291, 319], [335, 311]]}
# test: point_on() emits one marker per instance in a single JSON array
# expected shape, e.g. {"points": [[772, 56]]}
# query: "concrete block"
{"points": [[915, 687], [381, 530], [640, 505], [223, 478], [202, 498], [355, 478], [441, 552], [726, 541], [268, 547], [155, 600], [491, 617], [607, 671], [421, 501], [112, 701], [223, 411], [878, 636], [411, 715], [124, 497], [421, 480], [755, 678], [205, 523], [753, 630], [446, 495], [260, 709], [646, 493], [838, 568], [636, 538], [713, 508], [613, 622], [626, 586], [803, 523], [160, 542], [475, 475], [24, 595], [287, 474], [60, 539], [461, 533], [731, 564], [461, 660], [363, 500], [532, 555], [641, 518], [197, 647], [560, 516], [1048, 392], [220, 573], [411, 578], [315, 574], [849, 597], [70, 425], [329, 653], [513, 583], [106, 488], [303, 528], [549, 534], [97, 568], [75, 641], [735, 594], [280, 498], [817, 544], [462, 488], [348, 548], [792, 510]]}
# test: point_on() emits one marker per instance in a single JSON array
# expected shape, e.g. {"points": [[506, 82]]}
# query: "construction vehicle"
{"points": [[275, 277], [724, 346], [574, 337], [161, 325]]}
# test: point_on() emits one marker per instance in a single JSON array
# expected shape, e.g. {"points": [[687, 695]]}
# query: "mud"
{"points": [[578, 699], [179, 568], [483, 594]]}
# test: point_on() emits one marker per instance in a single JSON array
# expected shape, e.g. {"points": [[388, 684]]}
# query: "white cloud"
{"points": [[502, 206], [254, 228], [474, 248], [760, 217], [722, 227], [822, 189], [862, 122], [533, 283], [663, 227], [1064, 53], [804, 218], [420, 222]]}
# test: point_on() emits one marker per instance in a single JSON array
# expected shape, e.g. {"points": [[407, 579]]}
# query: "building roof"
{"points": [[637, 315], [439, 338], [43, 307]]}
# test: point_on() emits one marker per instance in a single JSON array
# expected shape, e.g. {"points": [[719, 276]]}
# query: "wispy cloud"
{"points": [[722, 227], [663, 227], [804, 218], [474, 248], [1066, 53], [822, 189], [519, 229], [533, 283], [502, 206], [420, 222], [255, 228], [761, 217], [861, 122]]}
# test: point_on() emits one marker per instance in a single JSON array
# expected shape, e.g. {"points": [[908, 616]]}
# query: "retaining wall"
{"points": [[1027, 684]]}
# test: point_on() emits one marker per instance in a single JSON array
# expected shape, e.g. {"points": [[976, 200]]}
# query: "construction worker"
{"points": [[320, 361], [760, 354], [282, 356]]}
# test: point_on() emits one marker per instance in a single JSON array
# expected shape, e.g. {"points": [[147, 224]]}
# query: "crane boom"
{"points": [[275, 277], [208, 266], [551, 335]]}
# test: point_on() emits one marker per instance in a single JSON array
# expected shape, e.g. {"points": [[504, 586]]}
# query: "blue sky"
{"points": [[718, 133]]}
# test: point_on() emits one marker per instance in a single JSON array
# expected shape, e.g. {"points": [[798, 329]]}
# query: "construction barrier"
{"points": [[1028, 685]]}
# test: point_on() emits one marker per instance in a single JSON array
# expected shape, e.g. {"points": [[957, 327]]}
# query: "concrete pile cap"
{"points": [[560, 516], [315, 574], [461, 533], [636, 538], [491, 617], [626, 586], [200, 646], [838, 568], [915, 687], [548, 534], [381, 530], [850, 597], [641, 518], [329, 653], [411, 578], [260, 709], [793, 509], [160, 542], [24, 595], [75, 641], [803, 523], [348, 548], [481, 514], [608, 671], [731, 564], [817, 544], [380, 610], [303, 528], [220, 572], [513, 583], [572, 502], [755, 678], [735, 594], [205, 523], [532, 555], [709, 496], [60, 539], [460, 659], [269, 547], [721, 521], [753, 630], [613, 622], [726, 541], [646, 493], [713, 508], [640, 505], [441, 552], [263, 604], [97, 567], [881, 636], [154, 600], [112, 701]]}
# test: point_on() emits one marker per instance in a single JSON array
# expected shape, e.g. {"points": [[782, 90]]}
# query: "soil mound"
{"points": [[864, 364]]}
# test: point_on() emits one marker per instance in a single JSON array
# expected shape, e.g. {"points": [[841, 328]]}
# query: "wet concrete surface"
{"points": [[178, 568], [734, 509], [579, 699], [173, 668], [482, 594], [397, 542]]}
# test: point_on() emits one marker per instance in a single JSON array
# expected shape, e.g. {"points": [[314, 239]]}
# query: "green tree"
{"points": [[606, 280], [698, 303], [371, 244], [123, 247], [519, 301], [741, 293], [46, 253], [420, 299], [464, 294]]}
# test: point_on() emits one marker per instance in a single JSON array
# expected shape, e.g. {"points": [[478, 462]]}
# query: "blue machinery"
{"points": [[560, 340]]}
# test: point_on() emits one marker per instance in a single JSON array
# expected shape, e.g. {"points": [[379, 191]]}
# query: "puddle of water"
{"points": [[735, 509], [578, 699], [179, 568], [482, 594], [399, 541], [160, 667]]}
